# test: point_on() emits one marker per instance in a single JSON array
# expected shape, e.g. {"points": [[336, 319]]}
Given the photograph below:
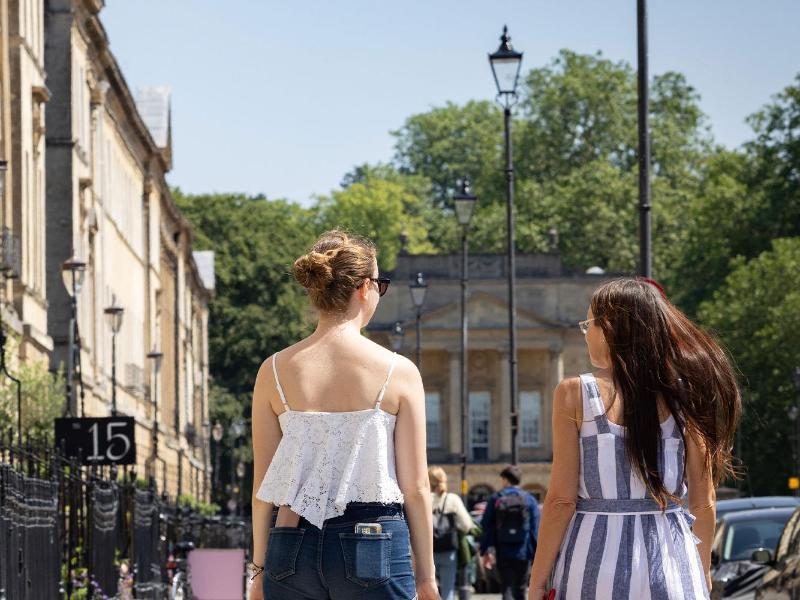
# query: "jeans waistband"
{"points": [[634, 506], [363, 511]]}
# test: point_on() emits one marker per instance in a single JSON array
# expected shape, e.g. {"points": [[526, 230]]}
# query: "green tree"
{"points": [[575, 140], [381, 209], [775, 172], [756, 313], [42, 394], [447, 143], [258, 308], [582, 108]]}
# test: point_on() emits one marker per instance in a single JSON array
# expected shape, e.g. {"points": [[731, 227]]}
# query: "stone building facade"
{"points": [[108, 203], [550, 302], [23, 98]]}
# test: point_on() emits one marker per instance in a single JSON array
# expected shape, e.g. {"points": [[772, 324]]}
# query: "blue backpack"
{"points": [[512, 518]]}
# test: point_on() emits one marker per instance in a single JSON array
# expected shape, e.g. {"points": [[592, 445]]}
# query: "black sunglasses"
{"points": [[383, 284]]}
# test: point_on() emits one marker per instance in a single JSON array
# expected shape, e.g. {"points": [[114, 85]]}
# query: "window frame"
{"points": [[538, 442]]}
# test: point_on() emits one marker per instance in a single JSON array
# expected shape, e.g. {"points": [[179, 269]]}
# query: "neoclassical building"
{"points": [[108, 203], [550, 302]]}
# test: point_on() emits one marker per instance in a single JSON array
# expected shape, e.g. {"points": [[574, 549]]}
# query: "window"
{"points": [[530, 408], [433, 419], [479, 414]]}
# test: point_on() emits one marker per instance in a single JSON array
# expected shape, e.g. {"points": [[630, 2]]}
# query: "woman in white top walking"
{"points": [[450, 517], [330, 414]]}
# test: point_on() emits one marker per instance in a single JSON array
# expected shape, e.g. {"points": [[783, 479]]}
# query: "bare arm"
{"points": [[412, 468], [266, 436], [562, 492], [702, 498]]}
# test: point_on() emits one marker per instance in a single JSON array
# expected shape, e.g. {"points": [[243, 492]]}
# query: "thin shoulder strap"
{"points": [[278, 382], [386, 383], [593, 403]]}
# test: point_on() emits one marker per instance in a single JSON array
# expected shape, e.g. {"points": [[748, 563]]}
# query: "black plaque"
{"points": [[98, 440]]}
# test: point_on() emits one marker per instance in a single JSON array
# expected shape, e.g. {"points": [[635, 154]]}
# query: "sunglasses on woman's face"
{"points": [[383, 284]]}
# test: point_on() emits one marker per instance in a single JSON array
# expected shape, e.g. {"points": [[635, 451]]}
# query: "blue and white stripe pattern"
{"points": [[620, 544]]}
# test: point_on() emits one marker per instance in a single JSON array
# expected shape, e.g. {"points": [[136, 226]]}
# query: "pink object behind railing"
{"points": [[217, 574]]}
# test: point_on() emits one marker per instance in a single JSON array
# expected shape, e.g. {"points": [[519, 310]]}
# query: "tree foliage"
{"points": [[757, 313]]}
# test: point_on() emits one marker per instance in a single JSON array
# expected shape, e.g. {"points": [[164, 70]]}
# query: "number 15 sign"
{"points": [[100, 440]]}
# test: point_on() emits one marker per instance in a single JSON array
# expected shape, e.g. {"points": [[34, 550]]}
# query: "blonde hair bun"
{"points": [[334, 267], [313, 270]]}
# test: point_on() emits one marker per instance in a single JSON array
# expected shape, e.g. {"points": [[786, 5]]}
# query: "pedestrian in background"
{"points": [[339, 447], [510, 527], [450, 517], [660, 412]]}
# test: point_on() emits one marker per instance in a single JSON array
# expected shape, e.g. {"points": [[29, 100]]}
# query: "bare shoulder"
{"points": [[406, 371], [567, 396]]}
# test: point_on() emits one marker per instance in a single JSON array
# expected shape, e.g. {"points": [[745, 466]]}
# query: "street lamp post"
{"points": [[72, 271], [216, 434], [645, 242], [114, 315], [397, 335], [418, 288], [464, 203], [505, 63], [155, 356]]}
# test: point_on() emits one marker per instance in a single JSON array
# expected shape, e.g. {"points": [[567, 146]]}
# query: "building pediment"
{"points": [[484, 311]]}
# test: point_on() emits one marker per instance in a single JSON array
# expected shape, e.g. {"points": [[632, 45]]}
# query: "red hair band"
{"points": [[656, 285]]}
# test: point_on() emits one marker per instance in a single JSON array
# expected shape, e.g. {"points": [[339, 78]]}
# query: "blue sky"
{"points": [[283, 98]]}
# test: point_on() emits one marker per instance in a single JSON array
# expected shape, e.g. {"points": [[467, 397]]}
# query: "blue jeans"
{"points": [[335, 563], [446, 570]]}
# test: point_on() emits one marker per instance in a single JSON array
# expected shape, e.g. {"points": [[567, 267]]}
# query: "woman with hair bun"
{"points": [[659, 414], [330, 415]]}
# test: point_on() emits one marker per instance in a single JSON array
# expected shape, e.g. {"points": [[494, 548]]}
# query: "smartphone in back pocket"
{"points": [[368, 528]]}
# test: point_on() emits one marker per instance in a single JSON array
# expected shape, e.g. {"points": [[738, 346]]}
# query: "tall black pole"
{"points": [[464, 383], [512, 281], [419, 338], [645, 240], [154, 449], [216, 463], [113, 374], [70, 375]]}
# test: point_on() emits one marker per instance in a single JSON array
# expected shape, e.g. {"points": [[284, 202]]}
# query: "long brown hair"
{"points": [[658, 353]]}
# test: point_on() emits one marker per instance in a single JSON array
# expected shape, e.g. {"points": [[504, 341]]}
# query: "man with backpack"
{"points": [[510, 526]]}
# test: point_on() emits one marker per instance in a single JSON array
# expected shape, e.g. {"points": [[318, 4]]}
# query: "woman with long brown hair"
{"points": [[659, 413]]}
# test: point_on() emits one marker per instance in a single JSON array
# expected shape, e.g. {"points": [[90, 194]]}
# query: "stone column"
{"points": [[501, 427], [454, 404], [554, 376]]}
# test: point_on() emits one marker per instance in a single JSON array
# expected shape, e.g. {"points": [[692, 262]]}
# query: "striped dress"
{"points": [[619, 544]]}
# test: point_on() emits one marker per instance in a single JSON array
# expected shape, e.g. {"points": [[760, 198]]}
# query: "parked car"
{"points": [[734, 504], [782, 579], [743, 543]]}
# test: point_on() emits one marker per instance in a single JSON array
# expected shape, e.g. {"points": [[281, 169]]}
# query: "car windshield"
{"points": [[744, 537]]}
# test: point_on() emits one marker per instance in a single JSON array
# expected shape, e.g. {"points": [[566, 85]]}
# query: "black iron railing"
{"points": [[69, 531]]}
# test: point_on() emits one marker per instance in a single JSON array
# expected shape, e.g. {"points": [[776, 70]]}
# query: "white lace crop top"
{"points": [[326, 460]]}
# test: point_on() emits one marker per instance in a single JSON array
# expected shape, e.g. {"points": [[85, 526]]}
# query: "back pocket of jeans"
{"points": [[282, 550], [367, 557]]}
